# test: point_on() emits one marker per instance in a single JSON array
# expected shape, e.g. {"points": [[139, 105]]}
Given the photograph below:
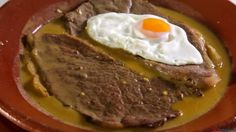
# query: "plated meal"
{"points": [[122, 65]]}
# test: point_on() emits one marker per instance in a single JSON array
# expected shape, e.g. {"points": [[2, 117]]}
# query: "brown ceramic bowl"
{"points": [[218, 15]]}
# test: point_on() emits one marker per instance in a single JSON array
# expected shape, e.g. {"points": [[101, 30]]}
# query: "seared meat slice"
{"points": [[77, 18], [194, 76], [104, 6], [96, 85], [200, 76]]}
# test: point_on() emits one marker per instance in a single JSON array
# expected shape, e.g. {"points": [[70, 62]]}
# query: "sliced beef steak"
{"points": [[77, 18], [199, 76], [96, 85], [192, 76], [104, 6]]}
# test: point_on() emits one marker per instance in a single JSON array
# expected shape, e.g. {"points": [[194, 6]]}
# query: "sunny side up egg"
{"points": [[149, 36]]}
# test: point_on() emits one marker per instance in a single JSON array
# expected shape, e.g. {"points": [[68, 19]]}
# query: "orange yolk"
{"points": [[155, 25]]}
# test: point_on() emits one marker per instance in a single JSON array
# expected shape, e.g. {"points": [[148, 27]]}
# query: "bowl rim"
{"points": [[30, 124]]}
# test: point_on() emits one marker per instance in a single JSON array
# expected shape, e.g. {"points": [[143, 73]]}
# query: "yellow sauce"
{"points": [[191, 107]]}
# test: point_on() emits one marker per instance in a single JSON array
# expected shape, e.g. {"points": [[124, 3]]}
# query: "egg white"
{"points": [[120, 30]]}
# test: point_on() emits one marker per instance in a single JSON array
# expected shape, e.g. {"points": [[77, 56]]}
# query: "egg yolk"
{"points": [[155, 25]]}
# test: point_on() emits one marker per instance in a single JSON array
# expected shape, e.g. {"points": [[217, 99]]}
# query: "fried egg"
{"points": [[149, 36]]}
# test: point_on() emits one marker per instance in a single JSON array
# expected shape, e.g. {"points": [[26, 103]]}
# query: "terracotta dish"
{"points": [[219, 16]]}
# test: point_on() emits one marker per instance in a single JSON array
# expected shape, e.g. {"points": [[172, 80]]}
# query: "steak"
{"points": [[77, 18], [96, 85], [193, 76]]}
